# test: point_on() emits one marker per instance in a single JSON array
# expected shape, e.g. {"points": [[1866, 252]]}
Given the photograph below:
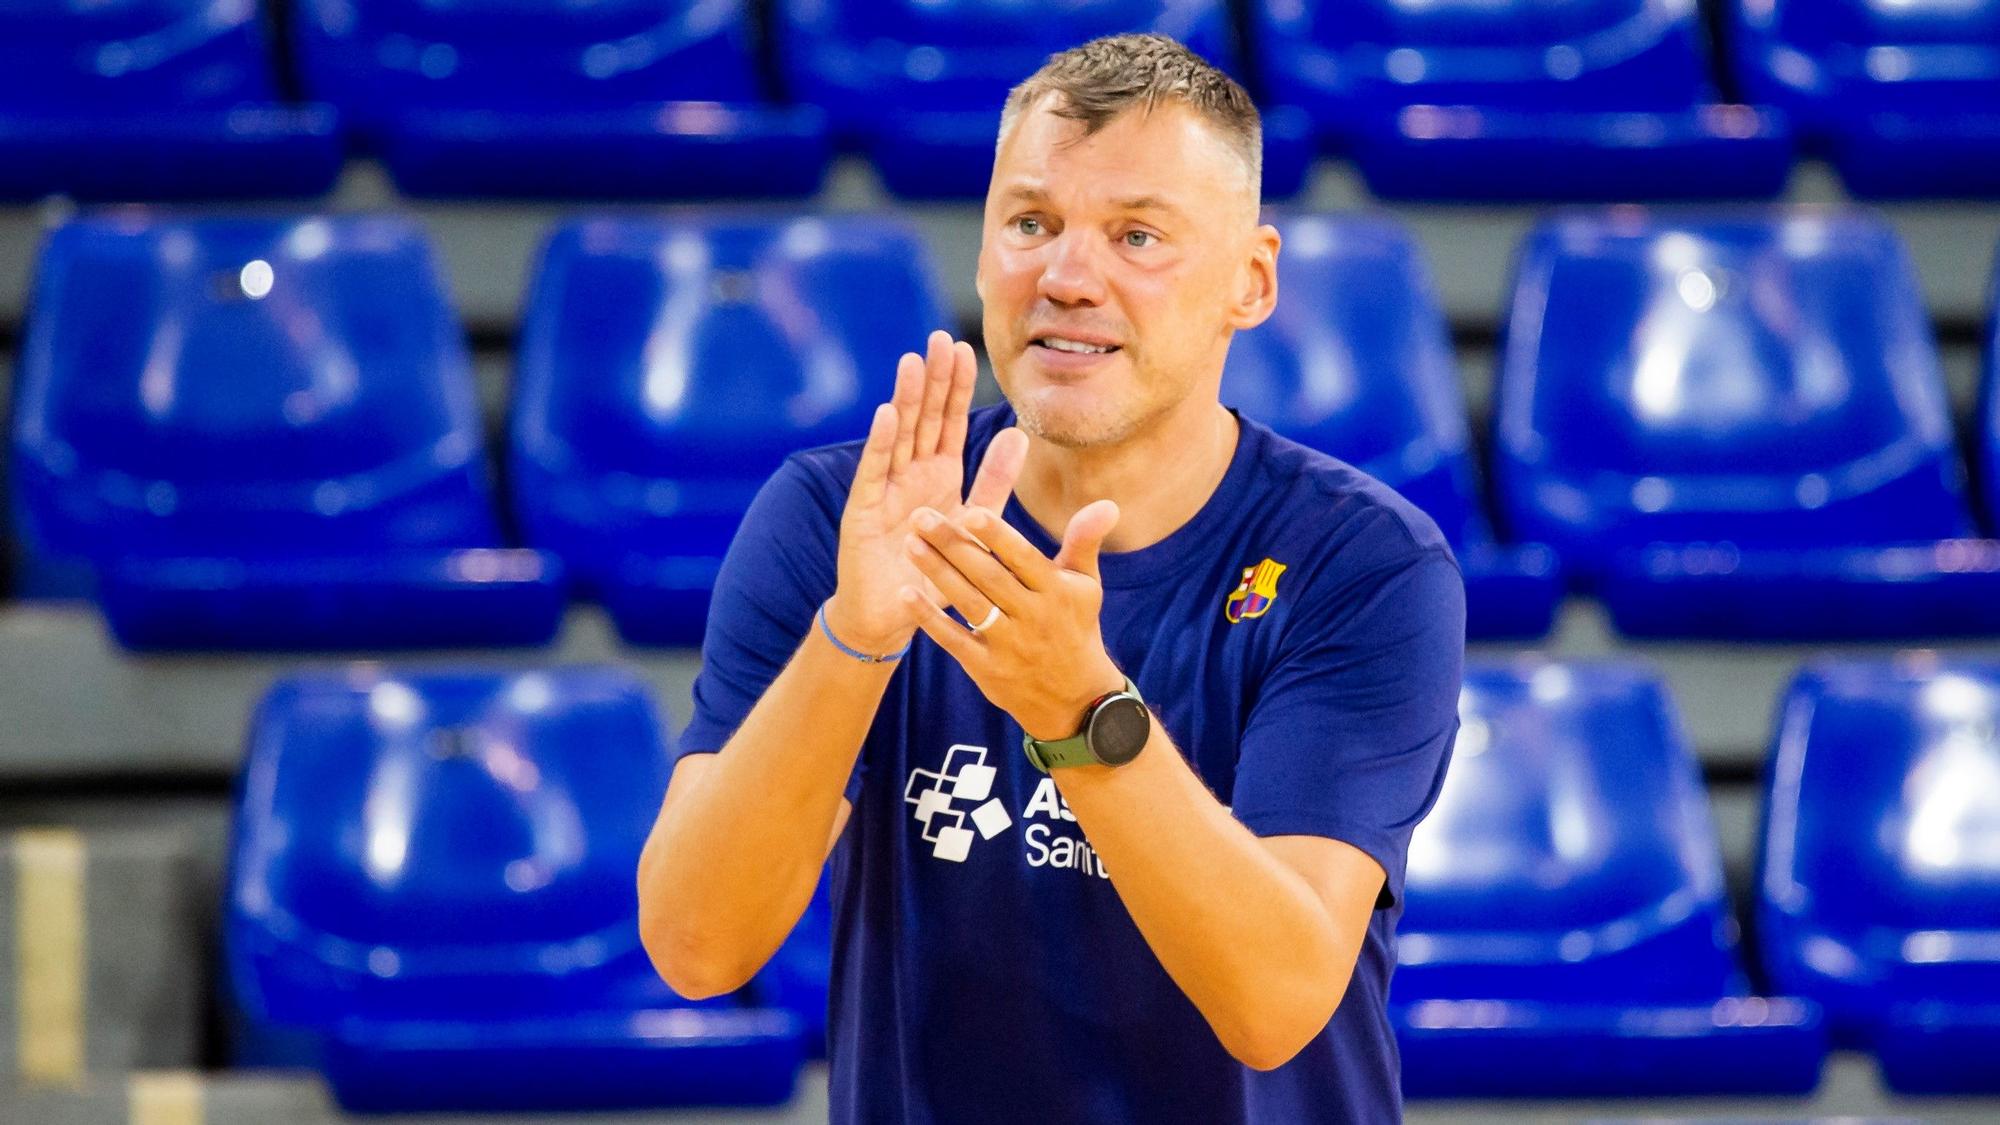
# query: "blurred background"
{"points": [[386, 377]]}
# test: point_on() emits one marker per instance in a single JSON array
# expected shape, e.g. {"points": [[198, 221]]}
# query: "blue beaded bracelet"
{"points": [[857, 654]]}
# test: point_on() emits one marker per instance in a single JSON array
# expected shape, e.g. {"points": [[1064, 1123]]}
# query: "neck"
{"points": [[1159, 477]]}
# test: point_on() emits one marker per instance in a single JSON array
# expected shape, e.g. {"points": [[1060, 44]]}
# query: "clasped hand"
{"points": [[1042, 657], [909, 545]]}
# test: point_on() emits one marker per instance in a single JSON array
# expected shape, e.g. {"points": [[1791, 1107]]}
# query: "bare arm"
{"points": [[1262, 934], [742, 834], [738, 846]]}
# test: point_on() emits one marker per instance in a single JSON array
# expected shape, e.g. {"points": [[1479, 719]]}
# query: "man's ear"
{"points": [[1257, 291]]}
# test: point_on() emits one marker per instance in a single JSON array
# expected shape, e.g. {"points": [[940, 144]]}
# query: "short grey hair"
{"points": [[1105, 77]]}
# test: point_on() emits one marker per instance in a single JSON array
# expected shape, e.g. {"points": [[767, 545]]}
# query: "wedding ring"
{"points": [[992, 615]]}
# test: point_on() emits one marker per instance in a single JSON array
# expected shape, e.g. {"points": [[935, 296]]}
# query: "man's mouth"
{"points": [[1072, 346]]}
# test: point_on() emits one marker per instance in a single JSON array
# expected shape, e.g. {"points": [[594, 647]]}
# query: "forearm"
{"points": [[737, 850], [743, 834], [1244, 936]]}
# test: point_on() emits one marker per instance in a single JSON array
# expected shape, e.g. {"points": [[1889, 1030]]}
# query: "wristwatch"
{"points": [[1115, 729]]}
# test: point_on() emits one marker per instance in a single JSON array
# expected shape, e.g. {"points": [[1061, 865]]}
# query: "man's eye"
{"points": [[1138, 238], [1028, 225]]}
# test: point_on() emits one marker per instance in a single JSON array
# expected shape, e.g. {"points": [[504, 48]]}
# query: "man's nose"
{"points": [[1072, 272]]}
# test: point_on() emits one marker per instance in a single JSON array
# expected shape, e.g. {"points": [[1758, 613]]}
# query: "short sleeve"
{"points": [[779, 568], [1353, 725]]}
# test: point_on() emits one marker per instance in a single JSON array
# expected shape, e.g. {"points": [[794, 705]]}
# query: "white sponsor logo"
{"points": [[937, 795], [956, 805]]}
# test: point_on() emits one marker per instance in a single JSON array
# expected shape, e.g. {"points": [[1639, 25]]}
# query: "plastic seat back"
{"points": [[1570, 856], [118, 56], [444, 845], [1767, 382], [1881, 864], [1830, 59], [261, 388], [856, 57], [667, 368], [1356, 361], [384, 56], [1522, 54]]}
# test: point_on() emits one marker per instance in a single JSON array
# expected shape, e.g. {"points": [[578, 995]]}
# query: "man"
{"points": [[1175, 900]]}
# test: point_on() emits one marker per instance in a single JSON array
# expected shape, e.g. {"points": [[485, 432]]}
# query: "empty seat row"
{"points": [[269, 439], [264, 434], [255, 434], [1614, 99], [1602, 99], [1567, 932], [430, 896]]}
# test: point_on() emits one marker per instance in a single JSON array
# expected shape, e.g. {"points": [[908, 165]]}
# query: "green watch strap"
{"points": [[1072, 751]]}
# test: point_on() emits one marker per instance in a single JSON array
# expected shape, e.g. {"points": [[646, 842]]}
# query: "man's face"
{"points": [[1114, 266]]}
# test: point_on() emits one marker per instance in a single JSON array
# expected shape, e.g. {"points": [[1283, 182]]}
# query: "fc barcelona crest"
{"points": [[1255, 593]]}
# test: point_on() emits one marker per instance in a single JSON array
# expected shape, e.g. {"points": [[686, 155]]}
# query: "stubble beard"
{"points": [[1099, 426]]}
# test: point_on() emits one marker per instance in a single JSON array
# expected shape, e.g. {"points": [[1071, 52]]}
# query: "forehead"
{"points": [[1167, 153]]}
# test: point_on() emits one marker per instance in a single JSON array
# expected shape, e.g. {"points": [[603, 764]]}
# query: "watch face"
{"points": [[1119, 729]]}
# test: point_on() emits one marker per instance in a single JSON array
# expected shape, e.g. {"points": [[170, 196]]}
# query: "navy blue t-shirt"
{"points": [[1300, 640]]}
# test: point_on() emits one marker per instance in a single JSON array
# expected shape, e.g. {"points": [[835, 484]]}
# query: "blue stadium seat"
{"points": [[1356, 362], [1567, 932], [1904, 96], [152, 99], [1880, 889], [1739, 428], [430, 899], [261, 434], [918, 84], [523, 98], [1520, 99], [668, 367]]}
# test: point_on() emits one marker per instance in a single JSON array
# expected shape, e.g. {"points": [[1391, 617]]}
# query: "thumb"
{"points": [[998, 471], [871, 476], [1085, 535]]}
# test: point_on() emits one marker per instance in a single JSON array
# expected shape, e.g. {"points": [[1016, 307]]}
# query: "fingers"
{"points": [[938, 361], [951, 586], [1084, 538], [963, 645], [1029, 566], [871, 476], [932, 398], [909, 402], [951, 550], [964, 373], [998, 470]]}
